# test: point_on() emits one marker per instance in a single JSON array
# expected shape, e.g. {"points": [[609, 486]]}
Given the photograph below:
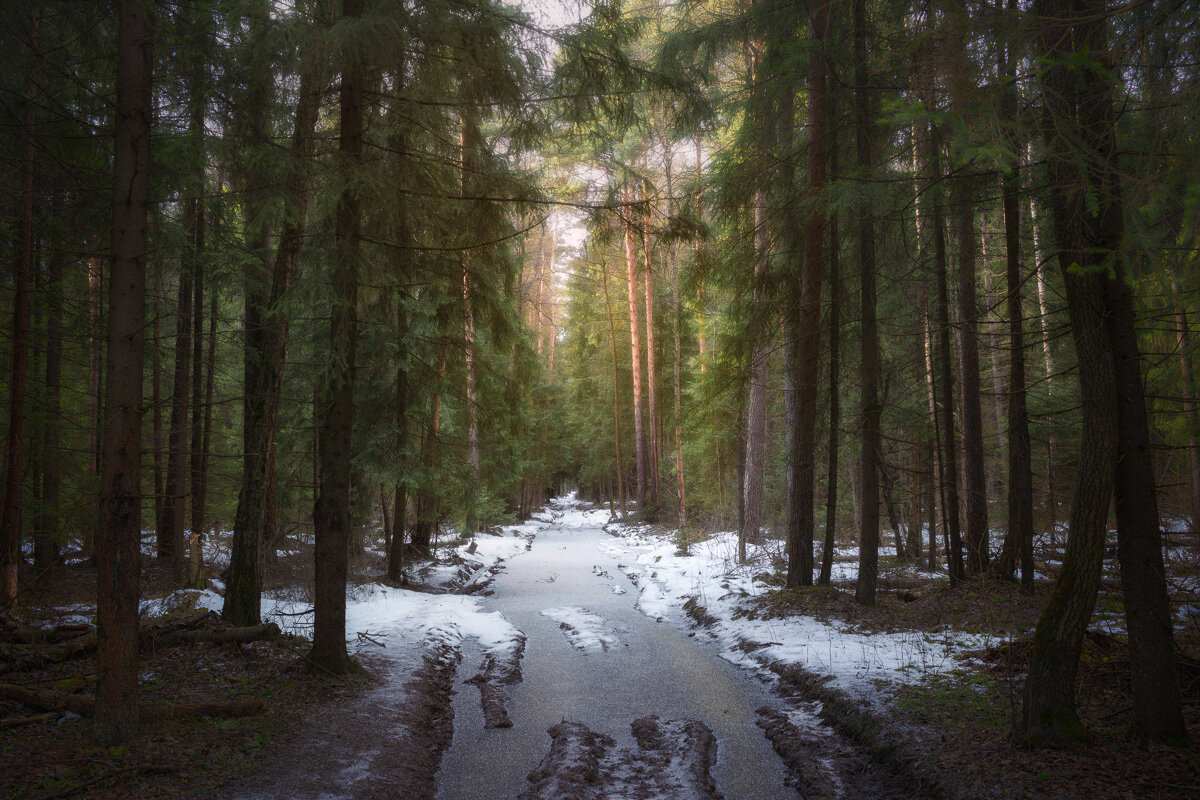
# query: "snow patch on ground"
{"points": [[710, 574], [584, 630]]}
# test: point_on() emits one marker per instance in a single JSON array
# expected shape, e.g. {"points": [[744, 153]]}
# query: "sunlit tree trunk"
{"points": [[639, 432]]}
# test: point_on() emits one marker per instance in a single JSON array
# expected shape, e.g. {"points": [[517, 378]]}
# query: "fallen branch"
{"points": [[140, 769]]}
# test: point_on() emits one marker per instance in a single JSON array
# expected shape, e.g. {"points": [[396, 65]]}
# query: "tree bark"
{"points": [[1020, 466], [804, 421], [10, 514], [268, 351], [639, 432], [331, 512], [48, 536], [1183, 340], [170, 526], [949, 461], [118, 551], [864, 591], [1084, 198], [835, 334], [654, 461], [612, 333], [749, 530]]}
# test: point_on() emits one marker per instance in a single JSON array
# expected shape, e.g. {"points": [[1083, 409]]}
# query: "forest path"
{"points": [[593, 659]]}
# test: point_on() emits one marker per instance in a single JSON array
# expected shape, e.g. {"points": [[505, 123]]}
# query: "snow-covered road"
{"points": [[592, 657]]}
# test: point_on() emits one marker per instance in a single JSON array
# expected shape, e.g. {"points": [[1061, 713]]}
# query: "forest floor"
{"points": [[926, 683]]}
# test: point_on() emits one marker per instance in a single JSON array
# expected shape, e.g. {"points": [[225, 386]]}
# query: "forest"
{"points": [[882, 307]]}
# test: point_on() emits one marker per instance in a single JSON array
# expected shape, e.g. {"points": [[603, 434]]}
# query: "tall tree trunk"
{"points": [[156, 403], [331, 513], [472, 143], [10, 514], [1020, 466], [395, 551], [170, 527], [680, 484], [654, 462], [95, 421], [701, 333], [864, 591], [48, 537], [428, 499], [1154, 677], [635, 347], [1047, 356], [118, 546], [268, 352], [1183, 340], [197, 444], [962, 199], [196, 577], [612, 334], [949, 462], [835, 335], [749, 530], [804, 421], [1077, 96]]}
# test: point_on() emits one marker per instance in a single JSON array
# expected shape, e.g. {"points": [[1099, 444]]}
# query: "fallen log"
{"points": [[84, 706], [29, 719], [49, 699], [16, 657], [25, 656], [251, 633], [58, 633]]}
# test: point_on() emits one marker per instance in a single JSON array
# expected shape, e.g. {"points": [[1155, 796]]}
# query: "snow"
{"points": [[710, 574], [584, 630]]}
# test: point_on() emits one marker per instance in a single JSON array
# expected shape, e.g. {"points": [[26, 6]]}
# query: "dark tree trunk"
{"points": [[10, 514], [1182, 339], [268, 351], [949, 461], [963, 200], [48, 537], [1154, 678], [331, 513], [801, 520], [196, 577], [118, 550], [868, 565], [835, 334], [1086, 209], [170, 526], [196, 466], [395, 551], [1020, 467]]}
